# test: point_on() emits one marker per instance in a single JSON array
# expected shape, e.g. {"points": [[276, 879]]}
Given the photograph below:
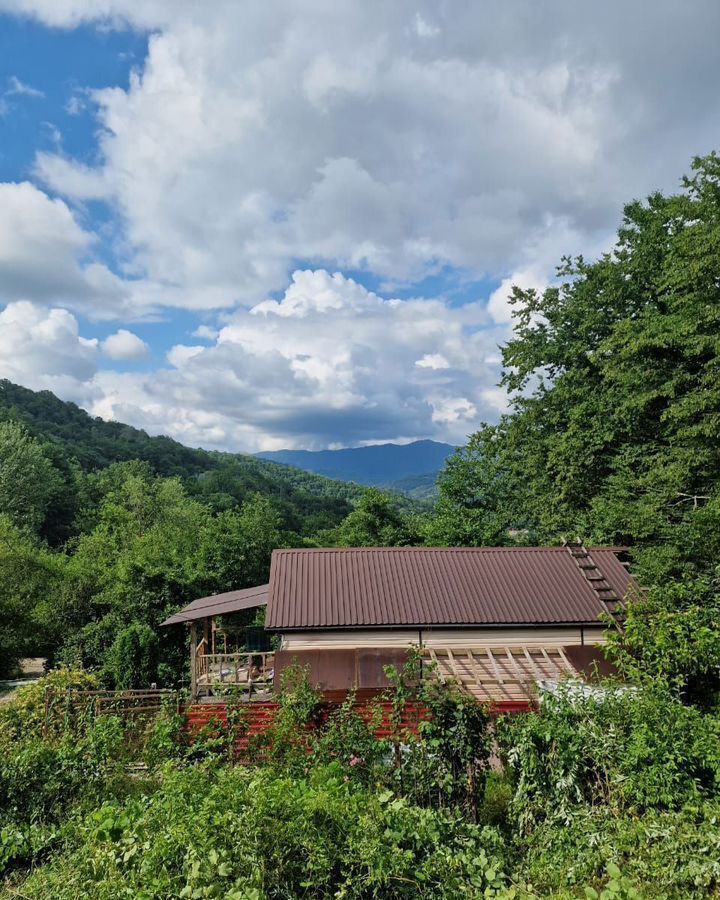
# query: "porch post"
{"points": [[193, 662]]}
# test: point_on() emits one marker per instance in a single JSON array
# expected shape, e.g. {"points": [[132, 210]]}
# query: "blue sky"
{"points": [[61, 65], [254, 226]]}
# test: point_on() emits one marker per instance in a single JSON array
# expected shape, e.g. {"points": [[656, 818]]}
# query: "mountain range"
{"points": [[410, 469], [313, 490]]}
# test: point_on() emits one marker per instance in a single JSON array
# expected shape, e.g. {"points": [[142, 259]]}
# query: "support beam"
{"points": [[193, 662]]}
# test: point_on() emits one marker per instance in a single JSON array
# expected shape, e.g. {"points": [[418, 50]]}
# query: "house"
{"points": [[496, 620]]}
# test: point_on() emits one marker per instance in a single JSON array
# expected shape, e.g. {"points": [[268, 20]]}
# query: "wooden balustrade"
{"points": [[251, 671]]}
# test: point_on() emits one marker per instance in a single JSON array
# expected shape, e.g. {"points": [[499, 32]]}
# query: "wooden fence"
{"points": [[71, 704]]}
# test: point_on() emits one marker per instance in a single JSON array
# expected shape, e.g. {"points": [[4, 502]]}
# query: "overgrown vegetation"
{"points": [[616, 795]]}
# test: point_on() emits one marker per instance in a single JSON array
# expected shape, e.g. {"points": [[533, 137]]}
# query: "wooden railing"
{"points": [[252, 672]]}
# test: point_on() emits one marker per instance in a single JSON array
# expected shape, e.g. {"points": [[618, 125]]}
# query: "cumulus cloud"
{"points": [[44, 350], [396, 138], [329, 362], [45, 256], [124, 345], [403, 140]]}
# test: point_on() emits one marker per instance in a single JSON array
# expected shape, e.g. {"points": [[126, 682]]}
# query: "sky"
{"points": [[261, 225]]}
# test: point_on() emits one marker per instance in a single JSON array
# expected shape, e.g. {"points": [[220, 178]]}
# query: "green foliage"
{"points": [[287, 743], [613, 375], [375, 522], [615, 397], [347, 738], [29, 574], [631, 749], [306, 502], [29, 483], [243, 834], [662, 855], [151, 549], [133, 657], [445, 764], [673, 635], [26, 715]]}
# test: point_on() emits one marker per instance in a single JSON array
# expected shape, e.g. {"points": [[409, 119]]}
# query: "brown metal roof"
{"points": [[398, 586], [221, 604]]}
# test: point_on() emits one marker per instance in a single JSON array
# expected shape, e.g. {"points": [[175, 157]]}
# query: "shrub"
{"points": [[635, 749], [29, 709], [666, 855], [445, 764], [287, 743], [348, 738], [133, 658], [242, 834]]}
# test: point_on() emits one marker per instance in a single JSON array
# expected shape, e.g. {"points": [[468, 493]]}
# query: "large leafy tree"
{"points": [[149, 549], [29, 482], [614, 429], [376, 521], [29, 573]]}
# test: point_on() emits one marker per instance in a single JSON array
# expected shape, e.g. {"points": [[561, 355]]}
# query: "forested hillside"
{"points": [[222, 480], [104, 530]]}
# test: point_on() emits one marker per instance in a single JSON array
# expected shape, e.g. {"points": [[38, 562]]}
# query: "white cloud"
{"points": [[44, 252], [43, 350], [330, 362], [79, 181], [124, 345], [401, 139], [432, 361], [19, 88], [396, 138]]}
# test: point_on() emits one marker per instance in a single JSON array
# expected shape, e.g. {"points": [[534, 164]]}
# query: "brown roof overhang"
{"points": [[221, 604]]}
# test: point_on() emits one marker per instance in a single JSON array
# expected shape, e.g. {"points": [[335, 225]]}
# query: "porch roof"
{"points": [[221, 604]]}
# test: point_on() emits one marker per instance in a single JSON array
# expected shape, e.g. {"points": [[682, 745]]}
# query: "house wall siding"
{"points": [[442, 637]]}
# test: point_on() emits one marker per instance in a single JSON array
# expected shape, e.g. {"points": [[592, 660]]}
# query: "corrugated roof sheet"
{"points": [[436, 586], [221, 604]]}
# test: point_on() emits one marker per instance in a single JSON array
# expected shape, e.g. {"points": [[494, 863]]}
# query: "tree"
{"points": [[136, 565], [234, 547], [614, 378], [29, 483], [133, 658], [375, 522], [29, 574]]}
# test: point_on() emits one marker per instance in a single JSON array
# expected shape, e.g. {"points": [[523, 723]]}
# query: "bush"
{"points": [[243, 834], [34, 706], [133, 658], [665, 855], [633, 749]]}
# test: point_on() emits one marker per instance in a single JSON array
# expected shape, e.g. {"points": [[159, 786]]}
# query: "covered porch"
{"points": [[228, 659]]}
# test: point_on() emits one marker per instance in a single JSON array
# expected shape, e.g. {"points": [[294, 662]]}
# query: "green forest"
{"points": [[612, 435]]}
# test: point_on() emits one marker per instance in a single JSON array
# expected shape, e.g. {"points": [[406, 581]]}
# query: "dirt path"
{"points": [[32, 669]]}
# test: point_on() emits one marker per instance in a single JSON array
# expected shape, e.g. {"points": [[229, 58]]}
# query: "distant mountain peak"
{"points": [[379, 465]]}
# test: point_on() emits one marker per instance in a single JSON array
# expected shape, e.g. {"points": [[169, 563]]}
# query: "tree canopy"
{"points": [[614, 377]]}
